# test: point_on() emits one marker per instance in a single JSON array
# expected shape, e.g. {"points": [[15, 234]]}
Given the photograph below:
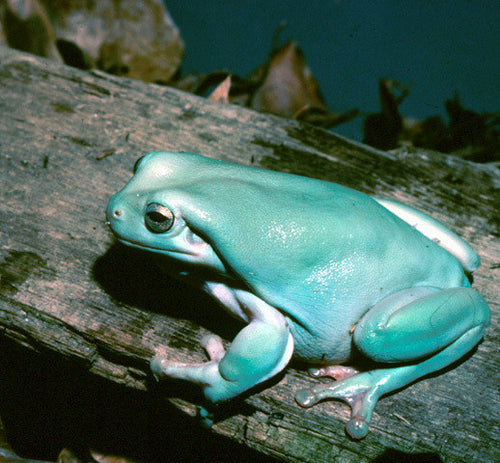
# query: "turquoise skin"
{"points": [[313, 268]]}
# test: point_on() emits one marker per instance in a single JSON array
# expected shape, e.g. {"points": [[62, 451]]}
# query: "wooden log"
{"points": [[69, 139]]}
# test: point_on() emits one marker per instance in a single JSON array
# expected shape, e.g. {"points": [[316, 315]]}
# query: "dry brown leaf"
{"points": [[221, 92], [288, 86], [27, 27], [283, 85], [381, 130], [129, 38]]}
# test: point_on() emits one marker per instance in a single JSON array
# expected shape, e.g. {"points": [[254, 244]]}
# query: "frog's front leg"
{"points": [[427, 329], [259, 351]]}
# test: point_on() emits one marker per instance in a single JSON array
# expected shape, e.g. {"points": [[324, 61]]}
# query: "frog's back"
{"points": [[300, 241], [384, 256]]}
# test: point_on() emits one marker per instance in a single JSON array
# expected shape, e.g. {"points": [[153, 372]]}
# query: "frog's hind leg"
{"points": [[425, 329], [435, 231]]}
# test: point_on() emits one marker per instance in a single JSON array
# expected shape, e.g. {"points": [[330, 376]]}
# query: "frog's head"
{"points": [[152, 211], [255, 226]]}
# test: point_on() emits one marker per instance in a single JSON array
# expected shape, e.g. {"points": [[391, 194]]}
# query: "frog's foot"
{"points": [[360, 391], [420, 329]]}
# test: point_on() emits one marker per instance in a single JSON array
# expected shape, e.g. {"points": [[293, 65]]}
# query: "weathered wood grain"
{"points": [[69, 139]]}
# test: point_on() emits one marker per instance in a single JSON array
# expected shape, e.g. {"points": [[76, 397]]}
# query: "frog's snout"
{"points": [[114, 213]]}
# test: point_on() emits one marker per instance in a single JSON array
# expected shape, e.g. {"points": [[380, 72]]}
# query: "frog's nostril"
{"points": [[117, 213]]}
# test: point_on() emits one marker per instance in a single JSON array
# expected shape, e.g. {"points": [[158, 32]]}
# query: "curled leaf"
{"points": [[288, 86], [221, 92]]}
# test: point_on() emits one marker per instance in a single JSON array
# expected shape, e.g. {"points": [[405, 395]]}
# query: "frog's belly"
{"points": [[331, 345]]}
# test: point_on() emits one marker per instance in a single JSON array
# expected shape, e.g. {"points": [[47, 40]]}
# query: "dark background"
{"points": [[433, 47]]}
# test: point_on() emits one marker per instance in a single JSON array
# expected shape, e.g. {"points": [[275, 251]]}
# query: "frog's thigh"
{"points": [[435, 231], [420, 321]]}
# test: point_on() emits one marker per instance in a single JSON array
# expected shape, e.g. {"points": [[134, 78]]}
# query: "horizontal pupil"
{"points": [[158, 217]]}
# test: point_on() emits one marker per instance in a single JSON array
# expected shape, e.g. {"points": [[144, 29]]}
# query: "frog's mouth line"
{"points": [[166, 252]]}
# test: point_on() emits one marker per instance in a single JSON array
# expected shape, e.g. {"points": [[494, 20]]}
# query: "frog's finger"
{"points": [[213, 347], [259, 351]]}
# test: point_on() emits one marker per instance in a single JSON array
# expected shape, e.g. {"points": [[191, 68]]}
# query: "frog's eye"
{"points": [[136, 165], [158, 218]]}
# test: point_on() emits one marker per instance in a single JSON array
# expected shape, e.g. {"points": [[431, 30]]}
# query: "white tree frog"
{"points": [[314, 269]]}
